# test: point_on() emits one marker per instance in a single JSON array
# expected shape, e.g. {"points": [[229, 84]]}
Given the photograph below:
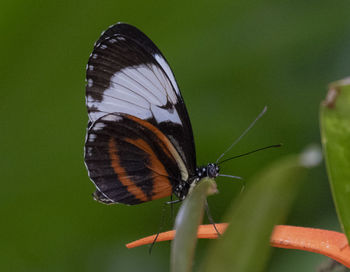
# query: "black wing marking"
{"points": [[127, 73]]}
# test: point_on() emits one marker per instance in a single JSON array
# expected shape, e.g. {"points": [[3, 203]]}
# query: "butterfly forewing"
{"points": [[128, 74]]}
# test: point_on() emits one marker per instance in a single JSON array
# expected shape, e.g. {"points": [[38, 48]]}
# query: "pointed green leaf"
{"points": [[335, 132], [187, 221], [265, 203]]}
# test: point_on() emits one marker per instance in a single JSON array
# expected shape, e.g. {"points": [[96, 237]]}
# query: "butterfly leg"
{"points": [[211, 218]]}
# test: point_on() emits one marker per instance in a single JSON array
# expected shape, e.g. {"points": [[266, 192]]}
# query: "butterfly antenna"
{"points": [[241, 180], [244, 133], [250, 152], [229, 176]]}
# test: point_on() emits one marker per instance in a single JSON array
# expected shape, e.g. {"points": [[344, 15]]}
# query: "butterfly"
{"points": [[139, 144]]}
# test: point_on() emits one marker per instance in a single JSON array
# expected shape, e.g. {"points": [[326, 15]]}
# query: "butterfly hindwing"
{"points": [[131, 161]]}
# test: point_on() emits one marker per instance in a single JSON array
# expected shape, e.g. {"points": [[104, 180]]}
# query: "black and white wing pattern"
{"points": [[128, 74], [139, 144]]}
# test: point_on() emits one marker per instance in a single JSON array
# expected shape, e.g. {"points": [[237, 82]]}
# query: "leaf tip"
{"points": [[333, 92], [331, 97]]}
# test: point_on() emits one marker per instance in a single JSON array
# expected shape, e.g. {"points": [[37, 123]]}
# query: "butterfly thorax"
{"points": [[210, 171]]}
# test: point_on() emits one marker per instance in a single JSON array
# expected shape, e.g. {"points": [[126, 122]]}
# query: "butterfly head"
{"points": [[210, 171]]}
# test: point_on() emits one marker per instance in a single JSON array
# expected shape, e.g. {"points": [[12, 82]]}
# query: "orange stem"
{"points": [[329, 243]]}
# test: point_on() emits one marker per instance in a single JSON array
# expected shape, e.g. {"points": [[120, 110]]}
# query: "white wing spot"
{"points": [[91, 67], [112, 40], [121, 38], [94, 56], [103, 46], [92, 137], [90, 82], [89, 151], [112, 117], [99, 126]]}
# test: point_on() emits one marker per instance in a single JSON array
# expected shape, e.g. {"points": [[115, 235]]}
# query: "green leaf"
{"points": [[265, 203], [335, 133], [187, 221]]}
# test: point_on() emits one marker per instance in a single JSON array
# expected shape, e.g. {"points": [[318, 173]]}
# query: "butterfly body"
{"points": [[139, 143]]}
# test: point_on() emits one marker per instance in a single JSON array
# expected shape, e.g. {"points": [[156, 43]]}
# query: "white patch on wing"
{"points": [[99, 126], [89, 152], [92, 137], [117, 106], [168, 71], [140, 91], [112, 117], [164, 115], [141, 80]]}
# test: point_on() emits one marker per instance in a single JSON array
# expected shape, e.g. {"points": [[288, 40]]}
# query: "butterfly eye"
{"points": [[212, 170]]}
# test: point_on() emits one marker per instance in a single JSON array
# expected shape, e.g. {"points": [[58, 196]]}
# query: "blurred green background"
{"points": [[230, 58]]}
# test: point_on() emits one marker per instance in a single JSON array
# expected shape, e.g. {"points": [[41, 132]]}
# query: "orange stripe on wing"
{"points": [[163, 139], [123, 177], [168, 146], [161, 184]]}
